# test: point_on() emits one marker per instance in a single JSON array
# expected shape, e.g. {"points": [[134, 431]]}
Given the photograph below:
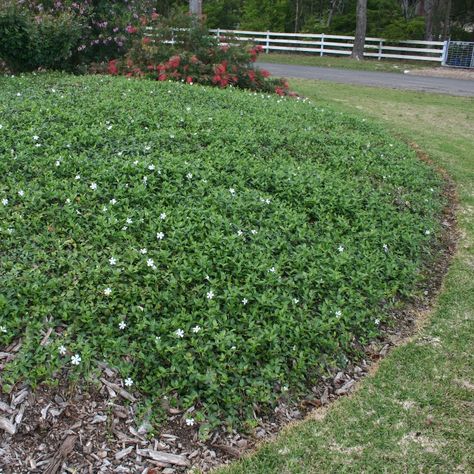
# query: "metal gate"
{"points": [[459, 54]]}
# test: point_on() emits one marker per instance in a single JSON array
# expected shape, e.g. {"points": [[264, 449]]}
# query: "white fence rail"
{"points": [[323, 44]]}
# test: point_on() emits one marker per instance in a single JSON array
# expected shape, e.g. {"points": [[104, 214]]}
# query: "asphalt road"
{"points": [[439, 85]]}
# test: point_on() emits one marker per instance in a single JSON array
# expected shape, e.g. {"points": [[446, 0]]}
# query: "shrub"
{"points": [[28, 42], [181, 49]]}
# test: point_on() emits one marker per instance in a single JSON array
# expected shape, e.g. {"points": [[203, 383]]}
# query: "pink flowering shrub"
{"points": [[181, 49]]}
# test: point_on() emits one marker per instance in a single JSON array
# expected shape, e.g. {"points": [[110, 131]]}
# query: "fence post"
{"points": [[218, 35], [321, 52], [444, 54], [380, 50], [267, 43]]}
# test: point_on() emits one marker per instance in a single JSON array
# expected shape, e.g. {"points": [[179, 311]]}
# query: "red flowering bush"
{"points": [[181, 49]]}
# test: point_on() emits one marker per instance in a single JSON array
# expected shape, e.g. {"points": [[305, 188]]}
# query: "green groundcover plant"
{"points": [[220, 248]]}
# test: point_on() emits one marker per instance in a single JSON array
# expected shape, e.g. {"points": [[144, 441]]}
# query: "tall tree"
{"points": [[361, 27], [195, 7]]}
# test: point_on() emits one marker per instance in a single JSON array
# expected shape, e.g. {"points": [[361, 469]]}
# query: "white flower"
{"points": [[135, 162], [160, 235], [272, 270], [210, 295], [143, 251], [10, 230], [150, 262], [245, 301], [285, 388], [144, 179], [76, 359], [232, 191], [3, 329], [124, 227], [109, 127], [207, 277], [296, 300], [113, 201], [112, 261], [427, 232], [189, 176], [190, 421], [253, 231], [340, 248], [107, 291], [104, 209], [77, 177], [35, 137], [196, 329], [385, 247], [151, 167], [163, 216], [57, 163], [240, 233], [93, 186], [122, 325], [62, 350], [128, 382], [5, 201], [338, 313], [129, 220], [377, 322], [179, 332], [68, 201], [21, 193]]}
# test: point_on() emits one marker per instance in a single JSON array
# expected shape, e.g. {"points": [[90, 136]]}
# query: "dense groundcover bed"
{"points": [[220, 248]]}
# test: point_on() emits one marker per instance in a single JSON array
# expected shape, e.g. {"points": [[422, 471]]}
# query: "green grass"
{"points": [[384, 65], [415, 414], [220, 248]]}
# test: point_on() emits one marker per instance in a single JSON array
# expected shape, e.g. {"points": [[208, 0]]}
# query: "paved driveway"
{"points": [[438, 85]]}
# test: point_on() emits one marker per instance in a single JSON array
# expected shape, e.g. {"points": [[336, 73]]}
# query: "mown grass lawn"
{"points": [[221, 249], [345, 63], [415, 413]]}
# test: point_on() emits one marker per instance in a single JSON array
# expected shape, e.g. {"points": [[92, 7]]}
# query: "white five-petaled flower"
{"points": [[128, 382], [232, 191], [122, 325], [151, 167], [108, 291], [62, 350], [240, 233], [129, 220], [112, 261], [296, 300], [338, 313], [210, 295], [68, 201], [253, 231], [3, 329], [35, 137], [272, 270], [377, 322], [160, 235], [109, 127], [93, 186], [163, 216], [57, 163], [196, 329], [113, 201], [427, 232], [135, 162], [5, 201], [21, 193], [77, 177], [341, 248], [190, 421], [150, 262], [245, 301], [76, 359], [143, 251], [104, 209], [385, 247], [179, 332], [189, 176]]}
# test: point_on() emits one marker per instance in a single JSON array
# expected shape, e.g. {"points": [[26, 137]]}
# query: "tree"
{"points": [[361, 27], [195, 7]]}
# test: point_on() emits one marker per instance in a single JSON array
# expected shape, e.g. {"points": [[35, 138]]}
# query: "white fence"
{"points": [[323, 44]]}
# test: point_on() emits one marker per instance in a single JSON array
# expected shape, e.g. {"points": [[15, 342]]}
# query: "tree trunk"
{"points": [[361, 27], [429, 11], [447, 20], [195, 7]]}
